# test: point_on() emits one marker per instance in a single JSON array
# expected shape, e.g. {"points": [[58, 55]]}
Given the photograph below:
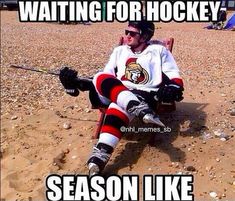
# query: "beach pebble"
{"points": [[223, 139], [74, 157], [222, 154], [174, 164], [190, 168], [14, 117], [87, 110], [220, 134], [213, 194], [232, 112], [67, 126], [179, 173], [206, 135], [15, 126]]}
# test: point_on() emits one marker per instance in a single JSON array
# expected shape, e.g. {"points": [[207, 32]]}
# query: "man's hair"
{"points": [[146, 28]]}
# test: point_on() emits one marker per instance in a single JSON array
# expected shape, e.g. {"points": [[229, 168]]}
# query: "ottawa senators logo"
{"points": [[135, 73]]}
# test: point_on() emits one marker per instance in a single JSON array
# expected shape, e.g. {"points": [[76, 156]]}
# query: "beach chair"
{"points": [[161, 108]]}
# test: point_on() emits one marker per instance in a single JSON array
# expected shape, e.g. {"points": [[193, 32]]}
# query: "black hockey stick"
{"points": [[43, 70], [40, 70]]}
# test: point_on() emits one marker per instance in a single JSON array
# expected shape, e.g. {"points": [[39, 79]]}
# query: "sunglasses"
{"points": [[132, 33]]}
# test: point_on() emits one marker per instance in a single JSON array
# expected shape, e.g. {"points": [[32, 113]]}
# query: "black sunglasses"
{"points": [[132, 33]]}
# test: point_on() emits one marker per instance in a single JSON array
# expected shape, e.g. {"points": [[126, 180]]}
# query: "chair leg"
{"points": [[99, 125], [170, 44]]}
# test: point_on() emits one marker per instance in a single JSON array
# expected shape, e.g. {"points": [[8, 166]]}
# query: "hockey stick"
{"points": [[43, 70], [40, 70]]}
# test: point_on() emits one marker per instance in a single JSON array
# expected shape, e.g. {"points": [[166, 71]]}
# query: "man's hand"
{"points": [[170, 93], [68, 78]]}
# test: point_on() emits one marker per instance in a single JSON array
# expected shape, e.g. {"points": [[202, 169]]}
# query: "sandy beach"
{"points": [[35, 109]]}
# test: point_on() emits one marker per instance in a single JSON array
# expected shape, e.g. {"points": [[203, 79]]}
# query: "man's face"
{"points": [[133, 37]]}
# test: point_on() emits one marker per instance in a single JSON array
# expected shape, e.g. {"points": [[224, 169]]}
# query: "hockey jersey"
{"points": [[144, 70]]}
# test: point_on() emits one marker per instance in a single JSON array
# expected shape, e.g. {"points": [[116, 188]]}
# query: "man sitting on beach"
{"points": [[136, 78]]}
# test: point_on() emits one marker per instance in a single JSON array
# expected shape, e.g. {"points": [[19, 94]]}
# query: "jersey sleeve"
{"points": [[170, 68]]}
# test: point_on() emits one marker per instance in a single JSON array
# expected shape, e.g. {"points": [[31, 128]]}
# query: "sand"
{"points": [[34, 108]]}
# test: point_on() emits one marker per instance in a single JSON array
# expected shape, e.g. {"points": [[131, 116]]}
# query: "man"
{"points": [[222, 17], [136, 77]]}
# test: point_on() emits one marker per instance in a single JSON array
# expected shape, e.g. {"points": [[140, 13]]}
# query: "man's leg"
{"points": [[115, 118], [110, 87]]}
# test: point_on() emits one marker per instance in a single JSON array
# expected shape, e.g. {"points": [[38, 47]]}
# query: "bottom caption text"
{"points": [[126, 187]]}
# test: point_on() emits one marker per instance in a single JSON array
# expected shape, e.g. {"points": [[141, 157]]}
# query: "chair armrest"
{"points": [[167, 42]]}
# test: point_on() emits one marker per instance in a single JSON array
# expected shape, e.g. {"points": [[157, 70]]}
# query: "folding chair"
{"points": [[163, 107]]}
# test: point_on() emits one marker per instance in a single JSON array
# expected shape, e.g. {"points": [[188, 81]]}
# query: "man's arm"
{"points": [[170, 68], [172, 86]]}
